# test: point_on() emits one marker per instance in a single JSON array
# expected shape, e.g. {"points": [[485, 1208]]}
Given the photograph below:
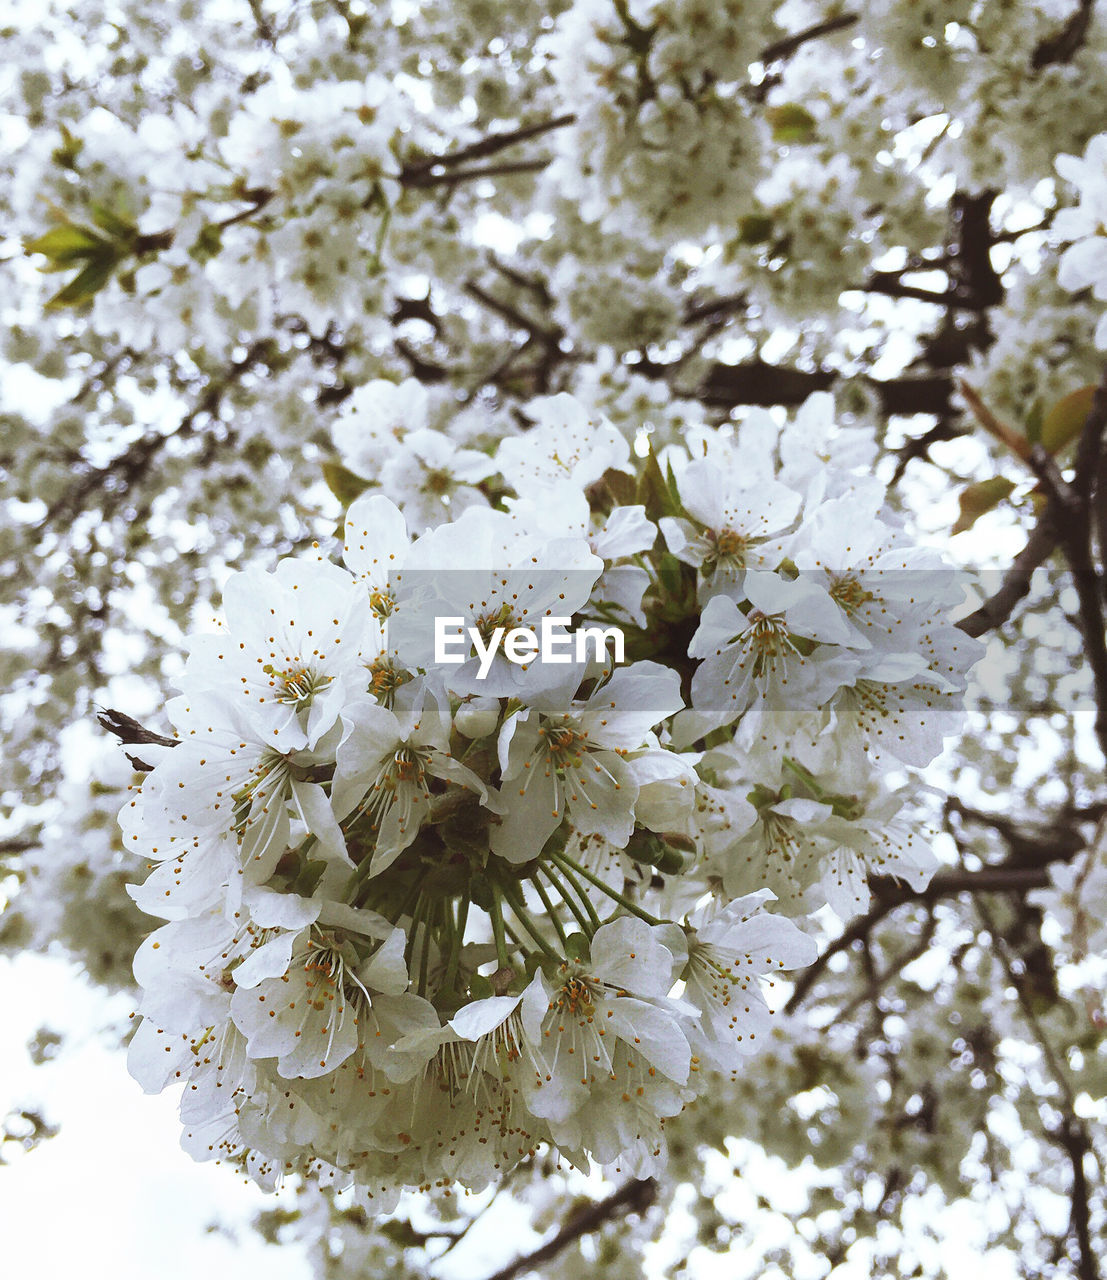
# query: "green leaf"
{"points": [[620, 485], [670, 574], [117, 226], [577, 948], [479, 987], [1064, 421], [400, 1232], [85, 285], [345, 484], [654, 492], [209, 243], [755, 228], [1033, 427], [67, 243], [791, 122], [66, 154], [977, 499]]}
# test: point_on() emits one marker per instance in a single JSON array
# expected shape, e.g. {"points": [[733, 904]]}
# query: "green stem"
{"points": [[548, 904], [498, 929], [565, 862], [416, 918], [424, 958], [450, 980], [568, 900], [382, 235], [519, 907], [566, 871]]}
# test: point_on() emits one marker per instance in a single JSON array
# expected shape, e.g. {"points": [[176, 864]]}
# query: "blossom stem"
{"points": [[424, 958], [450, 979], [566, 871], [518, 906], [550, 911], [566, 862], [564, 895], [496, 912], [416, 920]]}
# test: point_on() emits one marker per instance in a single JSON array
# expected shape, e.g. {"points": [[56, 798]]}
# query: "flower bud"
{"points": [[477, 717]]}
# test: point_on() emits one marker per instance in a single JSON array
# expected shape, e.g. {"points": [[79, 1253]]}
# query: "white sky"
{"points": [[113, 1196]]}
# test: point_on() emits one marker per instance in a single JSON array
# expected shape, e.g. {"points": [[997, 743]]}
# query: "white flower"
{"points": [[757, 665], [433, 478], [383, 769], [783, 850], [294, 647], [307, 1018], [729, 951], [883, 841], [740, 517], [1084, 263], [607, 1021], [574, 763], [375, 419], [820, 458], [488, 572], [374, 549], [562, 510], [565, 443]]}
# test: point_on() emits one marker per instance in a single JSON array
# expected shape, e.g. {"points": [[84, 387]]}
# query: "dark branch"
{"points": [[634, 1197], [454, 176], [888, 894], [128, 730], [1067, 43], [128, 468], [1072, 1138], [411, 174], [1071, 505], [786, 47], [758, 383], [262, 24], [995, 611], [512, 314]]}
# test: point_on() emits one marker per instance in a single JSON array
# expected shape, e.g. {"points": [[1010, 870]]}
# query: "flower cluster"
{"points": [[1084, 262], [423, 916], [664, 138]]}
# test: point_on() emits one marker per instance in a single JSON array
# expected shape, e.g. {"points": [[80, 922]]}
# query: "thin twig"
{"points": [[512, 314], [455, 176], [1017, 443], [1067, 43], [1072, 506], [634, 1197], [889, 894], [786, 47], [881, 979], [488, 146], [995, 611]]}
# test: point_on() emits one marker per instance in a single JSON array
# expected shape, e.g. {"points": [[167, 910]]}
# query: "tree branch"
{"points": [[758, 383], [786, 47], [995, 611], [888, 894], [634, 1197], [454, 176], [1067, 43], [1072, 1138], [1072, 1135], [411, 174], [124, 470], [1072, 512], [512, 314]]}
